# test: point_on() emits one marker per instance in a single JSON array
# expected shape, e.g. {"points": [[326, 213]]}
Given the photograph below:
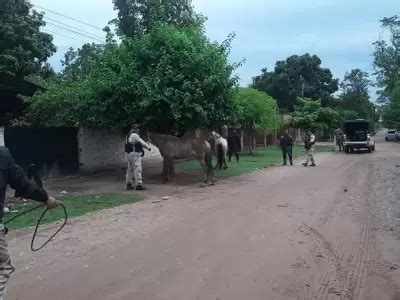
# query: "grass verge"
{"points": [[75, 205], [261, 158]]}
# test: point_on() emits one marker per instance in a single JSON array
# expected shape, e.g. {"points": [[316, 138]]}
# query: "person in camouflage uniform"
{"points": [[134, 148], [11, 174], [309, 144]]}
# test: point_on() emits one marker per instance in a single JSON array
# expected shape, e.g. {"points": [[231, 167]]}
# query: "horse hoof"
{"points": [[202, 185]]}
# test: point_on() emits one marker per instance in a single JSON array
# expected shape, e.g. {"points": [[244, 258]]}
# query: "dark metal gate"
{"points": [[54, 150]]}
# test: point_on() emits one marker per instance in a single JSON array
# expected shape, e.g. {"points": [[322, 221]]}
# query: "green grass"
{"points": [[261, 158], [75, 205]]}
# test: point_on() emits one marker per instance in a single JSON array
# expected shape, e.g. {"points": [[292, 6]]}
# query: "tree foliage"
{"points": [[171, 79], [297, 76], [387, 57], [355, 95], [137, 17], [256, 110], [391, 112], [387, 70], [311, 114], [78, 63], [24, 49]]}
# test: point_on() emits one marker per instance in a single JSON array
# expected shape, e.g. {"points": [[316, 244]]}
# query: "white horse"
{"points": [[222, 149]]}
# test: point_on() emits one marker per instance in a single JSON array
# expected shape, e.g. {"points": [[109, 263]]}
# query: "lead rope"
{"points": [[38, 224]]}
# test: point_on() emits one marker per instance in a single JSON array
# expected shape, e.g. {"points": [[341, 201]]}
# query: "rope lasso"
{"points": [[38, 224]]}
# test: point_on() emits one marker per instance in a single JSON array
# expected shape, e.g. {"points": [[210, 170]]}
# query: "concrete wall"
{"points": [[1, 136], [101, 149]]}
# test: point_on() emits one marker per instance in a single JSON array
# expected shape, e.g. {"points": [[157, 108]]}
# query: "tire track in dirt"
{"points": [[341, 258]]}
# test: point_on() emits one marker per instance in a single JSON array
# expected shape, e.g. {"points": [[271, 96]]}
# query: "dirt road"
{"points": [[330, 232]]}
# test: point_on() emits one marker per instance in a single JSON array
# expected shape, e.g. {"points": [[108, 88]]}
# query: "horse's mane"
{"points": [[217, 135]]}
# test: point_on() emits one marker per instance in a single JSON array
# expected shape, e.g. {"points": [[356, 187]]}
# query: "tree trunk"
{"points": [[251, 142], [265, 139]]}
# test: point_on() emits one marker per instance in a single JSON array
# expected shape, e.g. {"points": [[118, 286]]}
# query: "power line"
{"points": [[85, 34], [76, 32], [60, 34], [73, 27], [76, 20]]}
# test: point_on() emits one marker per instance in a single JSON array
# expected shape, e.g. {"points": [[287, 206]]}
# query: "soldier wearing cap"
{"points": [[134, 149], [309, 144]]}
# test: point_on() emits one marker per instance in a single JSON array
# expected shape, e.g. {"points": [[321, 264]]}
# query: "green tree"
{"points": [[297, 76], [387, 58], [355, 95], [256, 111], [391, 112], [78, 63], [24, 49], [311, 114], [137, 17], [169, 80]]}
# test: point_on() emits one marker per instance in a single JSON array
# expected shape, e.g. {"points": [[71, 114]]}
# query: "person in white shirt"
{"points": [[309, 144], [134, 149]]}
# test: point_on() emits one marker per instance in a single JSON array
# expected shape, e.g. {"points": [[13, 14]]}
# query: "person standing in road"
{"points": [[134, 149], [11, 174], [309, 144], [286, 143], [339, 140]]}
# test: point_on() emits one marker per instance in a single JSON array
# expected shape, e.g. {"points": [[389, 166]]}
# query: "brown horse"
{"points": [[172, 147]]}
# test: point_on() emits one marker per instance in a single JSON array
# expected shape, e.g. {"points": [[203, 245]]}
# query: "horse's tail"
{"points": [[220, 153]]}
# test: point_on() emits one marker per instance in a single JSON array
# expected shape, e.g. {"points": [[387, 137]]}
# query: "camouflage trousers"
{"points": [[134, 169], [310, 155], [6, 268]]}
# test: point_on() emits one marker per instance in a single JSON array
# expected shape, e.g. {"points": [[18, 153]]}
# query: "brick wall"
{"points": [[100, 149]]}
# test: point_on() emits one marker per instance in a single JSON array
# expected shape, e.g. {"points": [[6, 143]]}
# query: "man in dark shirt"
{"points": [[234, 145], [286, 142], [11, 174]]}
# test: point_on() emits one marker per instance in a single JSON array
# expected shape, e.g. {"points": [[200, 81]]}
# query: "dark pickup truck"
{"points": [[358, 134]]}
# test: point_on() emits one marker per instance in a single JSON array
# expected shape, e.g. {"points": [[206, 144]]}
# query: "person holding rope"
{"points": [[11, 174], [134, 148]]}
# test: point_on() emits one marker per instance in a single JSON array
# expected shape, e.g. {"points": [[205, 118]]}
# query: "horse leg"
{"points": [[208, 168], [172, 169], [217, 164], [225, 164], [165, 170], [202, 174]]}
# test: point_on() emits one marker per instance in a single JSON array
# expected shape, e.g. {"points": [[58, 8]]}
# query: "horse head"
{"points": [[151, 138]]}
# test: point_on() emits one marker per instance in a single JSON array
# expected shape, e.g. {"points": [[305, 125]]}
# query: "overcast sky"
{"points": [[340, 32]]}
